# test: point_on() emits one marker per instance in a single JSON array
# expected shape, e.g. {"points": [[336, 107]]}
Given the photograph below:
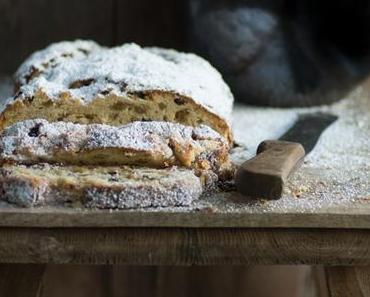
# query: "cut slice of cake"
{"points": [[98, 187], [151, 144]]}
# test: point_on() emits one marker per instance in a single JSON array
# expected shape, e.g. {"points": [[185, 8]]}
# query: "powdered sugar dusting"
{"points": [[166, 191], [37, 140], [334, 179], [59, 68], [99, 187], [54, 55], [335, 174], [148, 188]]}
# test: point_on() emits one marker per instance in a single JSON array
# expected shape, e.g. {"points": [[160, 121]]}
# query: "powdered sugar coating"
{"points": [[161, 192], [335, 179], [138, 69], [99, 187], [21, 192], [53, 56], [31, 141]]}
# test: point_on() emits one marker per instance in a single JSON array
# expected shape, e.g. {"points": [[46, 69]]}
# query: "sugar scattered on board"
{"points": [[335, 175]]}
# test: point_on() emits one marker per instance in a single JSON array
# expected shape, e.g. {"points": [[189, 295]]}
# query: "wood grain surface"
{"points": [[348, 281], [78, 281], [28, 25], [179, 247], [166, 281], [265, 175], [350, 218], [21, 280]]}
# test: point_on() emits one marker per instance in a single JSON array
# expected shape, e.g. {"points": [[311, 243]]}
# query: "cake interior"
{"points": [[102, 187], [114, 110]]}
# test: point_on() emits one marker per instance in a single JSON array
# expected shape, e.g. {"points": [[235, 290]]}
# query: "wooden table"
{"points": [[323, 218]]}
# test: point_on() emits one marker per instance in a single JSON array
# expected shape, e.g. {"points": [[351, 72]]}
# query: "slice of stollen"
{"points": [[98, 187], [150, 144]]}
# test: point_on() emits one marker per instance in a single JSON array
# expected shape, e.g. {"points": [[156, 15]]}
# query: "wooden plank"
{"points": [[318, 284], [76, 281], [351, 218], [134, 281], [219, 281], [173, 246], [21, 280], [26, 26], [168, 281], [322, 194], [348, 281]]}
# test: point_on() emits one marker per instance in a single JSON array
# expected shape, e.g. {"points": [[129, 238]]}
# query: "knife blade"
{"points": [[265, 175]]}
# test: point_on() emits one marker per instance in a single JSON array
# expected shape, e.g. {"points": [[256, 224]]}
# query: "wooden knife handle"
{"points": [[264, 176]]}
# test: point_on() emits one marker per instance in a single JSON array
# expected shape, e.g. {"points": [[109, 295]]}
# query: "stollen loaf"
{"points": [[82, 82], [114, 128]]}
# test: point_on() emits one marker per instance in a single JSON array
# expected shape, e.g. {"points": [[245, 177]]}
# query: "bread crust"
{"points": [[82, 82]]}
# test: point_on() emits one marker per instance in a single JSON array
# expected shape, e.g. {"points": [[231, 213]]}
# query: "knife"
{"points": [[265, 175]]}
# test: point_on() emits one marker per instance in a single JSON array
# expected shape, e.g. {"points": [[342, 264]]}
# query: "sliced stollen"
{"points": [[151, 144], [98, 187], [82, 82]]}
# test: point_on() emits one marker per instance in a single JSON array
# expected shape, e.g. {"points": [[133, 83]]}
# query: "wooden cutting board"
{"points": [[332, 189]]}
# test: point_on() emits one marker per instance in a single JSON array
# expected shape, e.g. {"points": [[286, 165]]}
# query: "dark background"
{"points": [[29, 25], [26, 26]]}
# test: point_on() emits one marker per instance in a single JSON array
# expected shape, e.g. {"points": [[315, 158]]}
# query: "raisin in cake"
{"points": [[82, 82], [151, 144], [98, 187]]}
